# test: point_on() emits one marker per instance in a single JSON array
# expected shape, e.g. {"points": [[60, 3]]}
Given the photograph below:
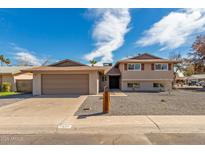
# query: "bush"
{"points": [[6, 87]]}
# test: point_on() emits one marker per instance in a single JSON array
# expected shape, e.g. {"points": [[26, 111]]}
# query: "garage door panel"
{"points": [[65, 84]]}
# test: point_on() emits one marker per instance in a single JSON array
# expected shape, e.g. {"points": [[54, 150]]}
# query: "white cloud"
{"points": [[175, 29], [25, 57], [109, 31]]}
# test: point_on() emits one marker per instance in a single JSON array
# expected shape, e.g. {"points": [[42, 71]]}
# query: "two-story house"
{"points": [[144, 72]]}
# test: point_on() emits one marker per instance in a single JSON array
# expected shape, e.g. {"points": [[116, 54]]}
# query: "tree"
{"points": [[197, 56], [189, 70], [93, 62], [1, 59], [199, 45], [7, 61], [4, 60]]}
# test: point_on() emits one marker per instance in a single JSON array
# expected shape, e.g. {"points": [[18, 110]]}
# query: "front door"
{"points": [[114, 82]]}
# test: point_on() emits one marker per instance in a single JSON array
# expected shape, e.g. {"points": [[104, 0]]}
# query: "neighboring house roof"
{"points": [[70, 68], [13, 69], [67, 62], [147, 58]]}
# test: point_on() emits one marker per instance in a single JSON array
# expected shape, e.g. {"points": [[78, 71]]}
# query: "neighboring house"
{"points": [[19, 81], [141, 73], [196, 78]]}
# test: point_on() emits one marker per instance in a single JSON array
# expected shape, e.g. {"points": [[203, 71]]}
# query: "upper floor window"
{"points": [[161, 67], [134, 67]]}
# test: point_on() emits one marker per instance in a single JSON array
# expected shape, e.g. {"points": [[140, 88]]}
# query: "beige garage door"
{"points": [[24, 86], [65, 84]]}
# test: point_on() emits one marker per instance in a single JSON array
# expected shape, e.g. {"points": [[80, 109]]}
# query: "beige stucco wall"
{"points": [[36, 84], [147, 73], [93, 81], [146, 78], [147, 86]]}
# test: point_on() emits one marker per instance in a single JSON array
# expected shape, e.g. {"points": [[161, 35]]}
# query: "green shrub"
{"points": [[6, 87]]}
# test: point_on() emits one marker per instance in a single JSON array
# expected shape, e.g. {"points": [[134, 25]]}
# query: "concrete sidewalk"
{"points": [[135, 124], [104, 125]]}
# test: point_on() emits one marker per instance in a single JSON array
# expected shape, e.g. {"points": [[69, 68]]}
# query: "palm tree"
{"points": [[4, 60], [7, 61], [93, 62]]}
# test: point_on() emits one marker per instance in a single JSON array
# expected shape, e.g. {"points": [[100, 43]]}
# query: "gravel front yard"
{"points": [[180, 102]]}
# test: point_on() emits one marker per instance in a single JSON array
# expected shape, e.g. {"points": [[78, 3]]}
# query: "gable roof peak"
{"points": [[71, 63], [145, 56]]}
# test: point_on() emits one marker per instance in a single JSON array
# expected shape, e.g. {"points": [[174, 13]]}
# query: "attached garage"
{"points": [[66, 77], [65, 84]]}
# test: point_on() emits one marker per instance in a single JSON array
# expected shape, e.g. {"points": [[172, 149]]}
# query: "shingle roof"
{"points": [[113, 71], [13, 69], [147, 58], [67, 60]]}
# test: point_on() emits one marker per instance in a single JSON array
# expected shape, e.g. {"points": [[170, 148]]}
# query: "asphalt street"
{"points": [[98, 139]]}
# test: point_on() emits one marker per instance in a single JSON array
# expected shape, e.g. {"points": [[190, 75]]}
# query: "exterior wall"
{"points": [[147, 73], [146, 78], [9, 79], [93, 81], [36, 84], [147, 86]]}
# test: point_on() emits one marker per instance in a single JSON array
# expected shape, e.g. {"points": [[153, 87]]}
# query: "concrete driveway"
{"points": [[38, 113], [13, 99]]}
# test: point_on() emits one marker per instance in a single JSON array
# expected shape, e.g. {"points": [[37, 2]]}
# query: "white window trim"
{"points": [[161, 64], [134, 67]]}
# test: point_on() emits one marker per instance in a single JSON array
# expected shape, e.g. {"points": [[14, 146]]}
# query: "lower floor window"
{"points": [[158, 85], [133, 85]]}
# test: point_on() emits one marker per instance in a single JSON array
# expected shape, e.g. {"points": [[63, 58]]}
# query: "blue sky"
{"points": [[102, 34]]}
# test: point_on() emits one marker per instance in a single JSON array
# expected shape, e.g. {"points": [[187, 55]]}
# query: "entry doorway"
{"points": [[114, 82]]}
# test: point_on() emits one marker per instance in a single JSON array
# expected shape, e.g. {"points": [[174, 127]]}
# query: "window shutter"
{"points": [[142, 67], [169, 66], [125, 67], [152, 66]]}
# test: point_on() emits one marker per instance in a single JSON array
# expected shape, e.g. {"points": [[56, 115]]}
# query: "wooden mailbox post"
{"points": [[106, 100]]}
